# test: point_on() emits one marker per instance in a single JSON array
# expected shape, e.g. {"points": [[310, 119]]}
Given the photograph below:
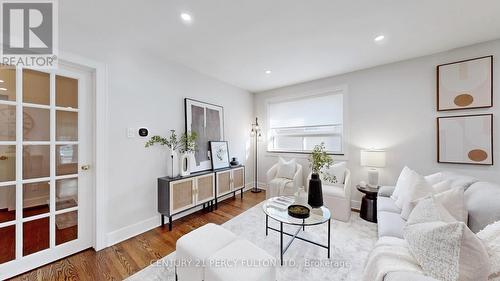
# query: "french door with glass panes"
{"points": [[45, 155]]}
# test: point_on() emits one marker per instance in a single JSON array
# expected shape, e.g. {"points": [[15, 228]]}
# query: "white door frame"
{"points": [[100, 166]]}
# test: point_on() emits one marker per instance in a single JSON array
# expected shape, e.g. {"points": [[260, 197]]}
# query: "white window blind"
{"points": [[300, 124]]}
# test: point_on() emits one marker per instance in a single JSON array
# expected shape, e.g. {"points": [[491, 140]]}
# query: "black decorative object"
{"points": [[234, 162], [315, 196], [298, 211]]}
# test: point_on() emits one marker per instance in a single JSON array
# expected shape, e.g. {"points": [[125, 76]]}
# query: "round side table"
{"points": [[368, 203]]}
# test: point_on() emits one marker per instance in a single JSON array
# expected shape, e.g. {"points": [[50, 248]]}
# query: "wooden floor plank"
{"points": [[130, 256]]}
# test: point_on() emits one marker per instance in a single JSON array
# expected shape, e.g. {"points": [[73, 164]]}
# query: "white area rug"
{"points": [[350, 245]]}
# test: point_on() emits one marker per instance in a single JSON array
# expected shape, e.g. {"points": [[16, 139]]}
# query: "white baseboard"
{"points": [[130, 231], [356, 205]]}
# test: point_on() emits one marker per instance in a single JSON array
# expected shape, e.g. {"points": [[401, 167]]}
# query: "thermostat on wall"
{"points": [[143, 132]]}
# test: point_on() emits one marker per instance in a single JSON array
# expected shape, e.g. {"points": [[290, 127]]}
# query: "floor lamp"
{"points": [[256, 133]]}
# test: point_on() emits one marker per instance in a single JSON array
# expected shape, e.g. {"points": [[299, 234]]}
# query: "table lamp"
{"points": [[373, 159]]}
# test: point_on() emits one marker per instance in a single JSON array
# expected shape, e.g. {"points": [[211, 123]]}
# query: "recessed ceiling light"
{"points": [[268, 71], [3, 89], [186, 17], [1, 81], [379, 38]]}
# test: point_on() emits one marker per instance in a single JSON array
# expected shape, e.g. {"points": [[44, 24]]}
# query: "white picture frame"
{"points": [[220, 154]]}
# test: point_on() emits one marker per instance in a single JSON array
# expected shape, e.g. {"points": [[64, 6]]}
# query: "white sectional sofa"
{"points": [[482, 200]]}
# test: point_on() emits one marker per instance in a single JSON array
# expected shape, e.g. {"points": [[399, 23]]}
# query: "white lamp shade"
{"points": [[373, 158]]}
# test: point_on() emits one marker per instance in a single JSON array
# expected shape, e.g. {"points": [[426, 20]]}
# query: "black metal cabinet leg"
{"points": [[281, 243], [329, 237], [170, 223], [267, 224], [216, 203], [241, 193], [162, 220]]}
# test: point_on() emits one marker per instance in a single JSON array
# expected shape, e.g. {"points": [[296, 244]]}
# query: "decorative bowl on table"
{"points": [[299, 211]]}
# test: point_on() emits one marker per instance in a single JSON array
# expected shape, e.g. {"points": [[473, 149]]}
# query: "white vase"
{"points": [[172, 164], [185, 164]]}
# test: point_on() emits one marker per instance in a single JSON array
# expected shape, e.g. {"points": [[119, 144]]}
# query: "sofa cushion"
{"points": [[482, 201], [452, 200], [390, 224], [388, 205], [417, 189]]}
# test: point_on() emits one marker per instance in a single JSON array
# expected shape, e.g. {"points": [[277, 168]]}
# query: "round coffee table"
{"points": [[368, 210], [276, 208]]}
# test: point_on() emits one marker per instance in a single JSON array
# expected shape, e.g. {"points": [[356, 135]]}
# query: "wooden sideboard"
{"points": [[180, 194]]}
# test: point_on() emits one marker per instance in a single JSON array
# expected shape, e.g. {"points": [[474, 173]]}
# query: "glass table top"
{"points": [[277, 208]]}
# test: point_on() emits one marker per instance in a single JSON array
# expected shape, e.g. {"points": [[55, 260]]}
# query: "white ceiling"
{"points": [[299, 40]]}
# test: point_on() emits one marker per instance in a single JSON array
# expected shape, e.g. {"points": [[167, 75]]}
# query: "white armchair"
{"points": [[337, 197], [289, 186]]}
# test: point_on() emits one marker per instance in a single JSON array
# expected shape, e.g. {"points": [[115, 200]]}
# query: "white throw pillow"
{"points": [[434, 178], [416, 188], [452, 200], [448, 251], [402, 183], [490, 236], [335, 174], [442, 186], [428, 210], [286, 169]]}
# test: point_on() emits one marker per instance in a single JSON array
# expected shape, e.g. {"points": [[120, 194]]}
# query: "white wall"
{"points": [[146, 90], [393, 107]]}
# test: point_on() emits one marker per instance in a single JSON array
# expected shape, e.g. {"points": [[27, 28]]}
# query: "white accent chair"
{"points": [[290, 188], [337, 197]]}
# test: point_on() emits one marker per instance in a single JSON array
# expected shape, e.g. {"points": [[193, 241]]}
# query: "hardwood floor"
{"points": [[128, 257]]}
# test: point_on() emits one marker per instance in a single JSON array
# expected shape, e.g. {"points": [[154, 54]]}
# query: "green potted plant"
{"points": [[173, 143], [187, 148], [318, 161]]}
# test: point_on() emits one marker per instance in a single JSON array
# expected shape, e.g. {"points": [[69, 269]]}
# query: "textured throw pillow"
{"points": [[490, 236], [335, 174], [442, 186], [448, 251], [428, 210], [417, 188], [286, 169], [459, 180], [402, 182]]}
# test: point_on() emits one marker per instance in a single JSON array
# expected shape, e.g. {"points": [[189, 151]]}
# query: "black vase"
{"points": [[234, 162], [315, 196]]}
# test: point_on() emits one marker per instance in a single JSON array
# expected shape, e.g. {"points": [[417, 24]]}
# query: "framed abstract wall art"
{"points": [[220, 154], [207, 121], [465, 139], [465, 84]]}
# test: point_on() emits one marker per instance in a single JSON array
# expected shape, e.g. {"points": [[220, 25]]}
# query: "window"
{"points": [[298, 125]]}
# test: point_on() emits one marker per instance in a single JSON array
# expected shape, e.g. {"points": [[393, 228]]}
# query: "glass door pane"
{"points": [[36, 87], [7, 243], [7, 163], [7, 122], [7, 83]]}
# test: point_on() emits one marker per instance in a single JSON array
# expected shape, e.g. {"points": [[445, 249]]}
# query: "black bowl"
{"points": [[299, 211]]}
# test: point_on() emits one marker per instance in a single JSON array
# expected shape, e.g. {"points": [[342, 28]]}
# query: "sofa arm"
{"points": [[386, 191]]}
